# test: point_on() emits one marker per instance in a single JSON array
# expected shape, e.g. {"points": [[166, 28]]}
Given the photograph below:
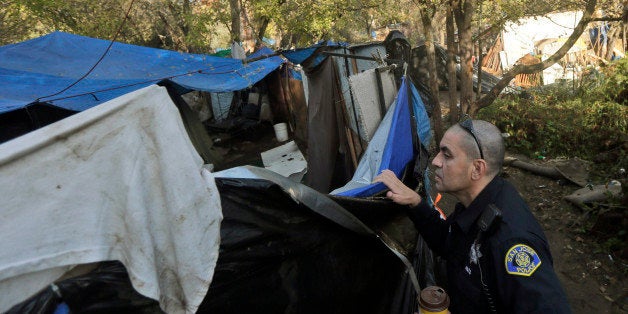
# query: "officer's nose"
{"points": [[437, 161]]}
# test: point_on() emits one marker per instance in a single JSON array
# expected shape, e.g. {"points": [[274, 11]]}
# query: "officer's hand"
{"points": [[399, 192]]}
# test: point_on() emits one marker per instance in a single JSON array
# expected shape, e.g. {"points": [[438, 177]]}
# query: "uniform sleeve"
{"points": [[525, 277], [431, 227]]}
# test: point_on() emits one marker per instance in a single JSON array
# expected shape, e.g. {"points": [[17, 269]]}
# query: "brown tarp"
{"points": [[328, 166]]}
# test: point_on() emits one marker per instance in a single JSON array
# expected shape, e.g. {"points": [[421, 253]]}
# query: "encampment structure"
{"points": [[125, 180]]}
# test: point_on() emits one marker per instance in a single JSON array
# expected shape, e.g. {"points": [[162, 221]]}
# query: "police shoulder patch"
{"points": [[522, 260]]}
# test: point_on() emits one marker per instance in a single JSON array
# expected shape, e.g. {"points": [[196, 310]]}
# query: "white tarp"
{"points": [[120, 181], [367, 99]]}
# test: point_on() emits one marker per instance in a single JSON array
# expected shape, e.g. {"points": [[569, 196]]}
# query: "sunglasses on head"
{"points": [[467, 124]]}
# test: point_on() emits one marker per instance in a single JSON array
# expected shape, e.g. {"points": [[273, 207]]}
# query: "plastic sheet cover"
{"points": [[391, 146], [287, 248], [38, 69]]}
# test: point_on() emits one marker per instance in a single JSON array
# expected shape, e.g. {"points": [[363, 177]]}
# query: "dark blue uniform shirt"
{"points": [[517, 264]]}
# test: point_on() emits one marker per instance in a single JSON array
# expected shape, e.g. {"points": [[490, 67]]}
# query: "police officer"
{"points": [[505, 267]]}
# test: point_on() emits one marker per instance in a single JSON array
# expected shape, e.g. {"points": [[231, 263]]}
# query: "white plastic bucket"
{"points": [[281, 131]]}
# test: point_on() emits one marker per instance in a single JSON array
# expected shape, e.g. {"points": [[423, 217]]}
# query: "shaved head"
{"points": [[489, 136]]}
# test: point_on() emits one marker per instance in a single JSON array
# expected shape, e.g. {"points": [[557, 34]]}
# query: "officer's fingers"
{"points": [[393, 196], [387, 175], [399, 187], [385, 178], [388, 178], [381, 180], [387, 172], [401, 199], [378, 178]]}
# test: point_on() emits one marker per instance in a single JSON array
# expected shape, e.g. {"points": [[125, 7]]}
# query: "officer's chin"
{"points": [[438, 185]]}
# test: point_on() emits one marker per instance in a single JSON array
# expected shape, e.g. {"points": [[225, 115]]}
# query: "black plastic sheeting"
{"points": [[107, 289], [277, 256], [285, 248]]}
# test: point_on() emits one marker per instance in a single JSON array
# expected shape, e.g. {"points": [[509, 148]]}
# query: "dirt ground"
{"points": [[594, 279]]}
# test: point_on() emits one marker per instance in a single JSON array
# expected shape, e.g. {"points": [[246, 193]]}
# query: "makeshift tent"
{"points": [[288, 242], [53, 70], [284, 247], [338, 140], [277, 98]]}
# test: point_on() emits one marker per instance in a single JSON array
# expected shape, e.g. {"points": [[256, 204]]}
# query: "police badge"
{"points": [[522, 260]]}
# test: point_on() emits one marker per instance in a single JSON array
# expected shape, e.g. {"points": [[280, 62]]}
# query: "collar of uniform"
{"points": [[466, 217]]}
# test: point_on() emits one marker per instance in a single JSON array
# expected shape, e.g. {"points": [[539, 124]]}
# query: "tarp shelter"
{"points": [[336, 140], [277, 98], [284, 246], [49, 70]]}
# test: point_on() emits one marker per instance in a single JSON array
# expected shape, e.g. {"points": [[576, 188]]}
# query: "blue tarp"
{"points": [[260, 53], [298, 56], [396, 130], [38, 69]]}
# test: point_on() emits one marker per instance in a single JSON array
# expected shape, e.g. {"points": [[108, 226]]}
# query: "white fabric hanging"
{"points": [[120, 181]]}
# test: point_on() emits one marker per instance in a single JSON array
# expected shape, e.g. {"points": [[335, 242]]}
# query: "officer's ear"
{"points": [[479, 169]]}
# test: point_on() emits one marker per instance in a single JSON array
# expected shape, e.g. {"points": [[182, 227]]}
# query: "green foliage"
{"points": [[611, 83], [197, 25], [557, 120], [16, 24]]}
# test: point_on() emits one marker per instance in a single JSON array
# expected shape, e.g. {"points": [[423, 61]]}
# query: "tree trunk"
{"points": [[529, 69], [463, 13], [184, 23], [613, 34], [427, 14], [262, 30], [236, 28], [452, 82]]}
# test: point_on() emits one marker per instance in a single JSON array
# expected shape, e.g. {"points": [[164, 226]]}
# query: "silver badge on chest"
{"points": [[474, 253]]}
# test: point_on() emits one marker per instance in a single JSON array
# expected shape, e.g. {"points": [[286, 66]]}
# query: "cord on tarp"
{"points": [[126, 16]]}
